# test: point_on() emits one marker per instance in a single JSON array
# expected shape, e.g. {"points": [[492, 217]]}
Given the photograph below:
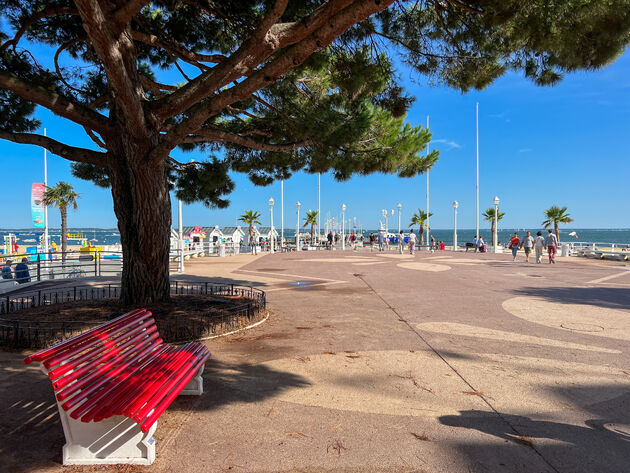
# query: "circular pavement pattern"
{"points": [[432, 267], [584, 318]]}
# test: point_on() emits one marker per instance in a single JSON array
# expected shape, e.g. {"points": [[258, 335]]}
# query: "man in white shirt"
{"points": [[527, 244]]}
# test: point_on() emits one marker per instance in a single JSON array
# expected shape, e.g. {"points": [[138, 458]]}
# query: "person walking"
{"points": [[372, 241], [401, 242], [475, 243], [527, 244], [433, 245], [381, 241], [539, 244], [551, 242], [515, 242], [412, 242]]}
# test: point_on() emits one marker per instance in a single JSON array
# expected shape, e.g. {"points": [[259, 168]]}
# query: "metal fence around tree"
{"points": [[204, 322]]}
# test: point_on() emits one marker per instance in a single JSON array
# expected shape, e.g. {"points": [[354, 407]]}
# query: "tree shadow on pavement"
{"points": [[600, 444], [32, 435], [607, 297]]}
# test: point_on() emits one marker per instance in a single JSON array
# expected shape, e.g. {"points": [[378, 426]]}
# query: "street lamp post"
{"points": [[343, 226], [455, 205], [281, 214], [297, 228], [181, 236], [399, 210], [495, 235], [271, 248], [384, 214]]}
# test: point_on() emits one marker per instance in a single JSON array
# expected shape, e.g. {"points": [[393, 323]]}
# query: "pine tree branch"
{"points": [[72, 153], [58, 104], [292, 57], [117, 54], [45, 13], [124, 14], [60, 49], [177, 49], [213, 135], [255, 50]]}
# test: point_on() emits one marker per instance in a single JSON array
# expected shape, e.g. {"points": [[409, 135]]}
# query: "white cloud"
{"points": [[449, 143]]}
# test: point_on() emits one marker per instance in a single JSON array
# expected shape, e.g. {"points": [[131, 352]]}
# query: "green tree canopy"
{"points": [[265, 87]]}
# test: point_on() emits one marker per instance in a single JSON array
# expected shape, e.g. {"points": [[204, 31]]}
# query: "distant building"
{"points": [[233, 234]]}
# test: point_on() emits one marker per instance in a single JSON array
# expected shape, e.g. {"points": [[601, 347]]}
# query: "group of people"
{"points": [[549, 243], [21, 273]]}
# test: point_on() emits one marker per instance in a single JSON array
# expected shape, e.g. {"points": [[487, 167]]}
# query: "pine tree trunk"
{"points": [[64, 233], [143, 207]]}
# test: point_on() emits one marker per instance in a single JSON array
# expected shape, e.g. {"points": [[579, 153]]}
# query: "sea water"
{"points": [[111, 236]]}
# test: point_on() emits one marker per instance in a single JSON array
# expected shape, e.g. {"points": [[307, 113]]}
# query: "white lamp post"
{"points": [[399, 206], [384, 214], [271, 248], [495, 237], [297, 228], [281, 214], [455, 205], [181, 236], [343, 226]]}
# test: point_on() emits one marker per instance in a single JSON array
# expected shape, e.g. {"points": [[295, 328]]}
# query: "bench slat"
{"points": [[47, 353]]}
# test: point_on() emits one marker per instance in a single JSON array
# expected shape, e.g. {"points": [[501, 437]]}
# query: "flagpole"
{"points": [[319, 175], [45, 206], [428, 226], [281, 214], [477, 185]]}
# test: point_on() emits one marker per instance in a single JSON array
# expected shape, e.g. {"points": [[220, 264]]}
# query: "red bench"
{"points": [[113, 382]]}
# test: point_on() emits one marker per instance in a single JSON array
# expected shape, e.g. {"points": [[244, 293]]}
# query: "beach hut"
{"points": [[214, 234], [233, 234], [266, 233]]}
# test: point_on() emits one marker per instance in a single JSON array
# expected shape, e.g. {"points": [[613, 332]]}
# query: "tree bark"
{"points": [[143, 207], [64, 232]]}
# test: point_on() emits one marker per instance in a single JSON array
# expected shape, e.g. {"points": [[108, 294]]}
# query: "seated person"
{"points": [[21, 272]]}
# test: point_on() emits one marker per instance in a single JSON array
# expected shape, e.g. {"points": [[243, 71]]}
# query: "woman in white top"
{"points": [[412, 242], [539, 244]]}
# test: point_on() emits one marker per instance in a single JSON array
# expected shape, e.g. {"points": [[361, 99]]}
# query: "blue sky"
{"points": [[562, 145]]}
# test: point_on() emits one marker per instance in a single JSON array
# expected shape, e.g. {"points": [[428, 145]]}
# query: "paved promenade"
{"points": [[374, 362]]}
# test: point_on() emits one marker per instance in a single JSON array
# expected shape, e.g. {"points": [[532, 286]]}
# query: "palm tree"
{"points": [[555, 216], [61, 196], [250, 217], [419, 218], [489, 216], [311, 218]]}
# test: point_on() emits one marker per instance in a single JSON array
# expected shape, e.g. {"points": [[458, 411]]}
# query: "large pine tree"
{"points": [[277, 86]]}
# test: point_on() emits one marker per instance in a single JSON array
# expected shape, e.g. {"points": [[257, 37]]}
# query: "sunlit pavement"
{"points": [[437, 362]]}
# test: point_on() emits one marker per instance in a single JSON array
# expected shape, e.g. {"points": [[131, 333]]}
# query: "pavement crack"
{"points": [[480, 394]]}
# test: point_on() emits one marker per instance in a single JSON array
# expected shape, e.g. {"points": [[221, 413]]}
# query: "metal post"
{"points": [[455, 205], [282, 214], [181, 236], [297, 228], [45, 207], [318, 206], [271, 246], [477, 182], [343, 226], [428, 226]]}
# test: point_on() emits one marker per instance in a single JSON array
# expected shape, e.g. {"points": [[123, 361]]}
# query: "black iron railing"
{"points": [[204, 322]]}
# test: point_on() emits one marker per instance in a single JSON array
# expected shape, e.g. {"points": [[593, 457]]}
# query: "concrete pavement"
{"points": [[439, 362]]}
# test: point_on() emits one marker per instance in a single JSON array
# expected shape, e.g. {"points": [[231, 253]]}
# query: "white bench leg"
{"points": [[108, 442], [194, 386]]}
